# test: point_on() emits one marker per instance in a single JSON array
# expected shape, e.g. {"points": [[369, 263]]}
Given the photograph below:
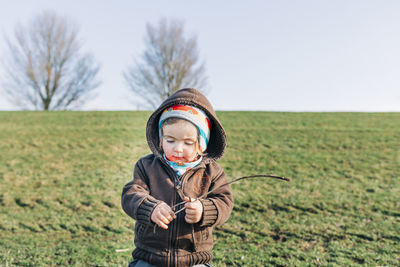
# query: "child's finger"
{"points": [[190, 219], [168, 212], [190, 211], [171, 213], [190, 216], [191, 205], [167, 216], [170, 217], [162, 225], [164, 219]]}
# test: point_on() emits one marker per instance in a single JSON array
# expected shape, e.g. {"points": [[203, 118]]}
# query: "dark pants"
{"points": [[140, 263]]}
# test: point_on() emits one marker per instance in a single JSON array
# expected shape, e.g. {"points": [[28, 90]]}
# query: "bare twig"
{"points": [[123, 250], [231, 182]]}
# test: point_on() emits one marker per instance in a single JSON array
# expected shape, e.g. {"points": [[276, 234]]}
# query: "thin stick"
{"points": [[123, 250], [231, 182], [247, 177], [179, 210]]}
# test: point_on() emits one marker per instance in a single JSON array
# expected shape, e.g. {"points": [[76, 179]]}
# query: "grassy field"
{"points": [[61, 175]]}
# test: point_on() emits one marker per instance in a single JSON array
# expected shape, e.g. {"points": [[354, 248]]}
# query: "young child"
{"points": [[186, 139]]}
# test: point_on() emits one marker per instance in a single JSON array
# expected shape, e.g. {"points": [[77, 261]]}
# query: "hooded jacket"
{"points": [[154, 181]]}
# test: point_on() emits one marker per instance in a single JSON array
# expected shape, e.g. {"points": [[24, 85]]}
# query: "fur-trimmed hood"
{"points": [[188, 96]]}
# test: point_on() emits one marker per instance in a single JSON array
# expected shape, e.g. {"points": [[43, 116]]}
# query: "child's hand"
{"points": [[194, 211], [162, 215]]}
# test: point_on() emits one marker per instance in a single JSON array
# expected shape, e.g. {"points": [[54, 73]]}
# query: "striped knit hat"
{"points": [[193, 115]]}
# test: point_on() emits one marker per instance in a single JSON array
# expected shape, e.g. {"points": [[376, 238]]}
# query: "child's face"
{"points": [[179, 141]]}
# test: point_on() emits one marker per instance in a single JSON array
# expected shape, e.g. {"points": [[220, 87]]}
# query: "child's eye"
{"points": [[170, 141], [189, 143]]}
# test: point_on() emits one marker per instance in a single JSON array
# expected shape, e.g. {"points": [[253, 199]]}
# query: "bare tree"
{"points": [[44, 68], [170, 62]]}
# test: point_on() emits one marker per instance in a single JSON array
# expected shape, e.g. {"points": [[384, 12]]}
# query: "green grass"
{"points": [[61, 175]]}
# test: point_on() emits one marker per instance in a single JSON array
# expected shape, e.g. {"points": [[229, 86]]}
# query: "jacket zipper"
{"points": [[182, 183], [174, 229]]}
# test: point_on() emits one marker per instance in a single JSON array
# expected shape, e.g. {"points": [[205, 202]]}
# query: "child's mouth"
{"points": [[177, 159]]}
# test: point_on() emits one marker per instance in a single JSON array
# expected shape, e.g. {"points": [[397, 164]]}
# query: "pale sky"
{"points": [[338, 55]]}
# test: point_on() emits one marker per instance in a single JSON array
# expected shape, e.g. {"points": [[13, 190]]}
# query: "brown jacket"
{"points": [[182, 244]]}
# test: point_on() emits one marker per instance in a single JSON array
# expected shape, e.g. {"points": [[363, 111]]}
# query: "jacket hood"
{"points": [[188, 96]]}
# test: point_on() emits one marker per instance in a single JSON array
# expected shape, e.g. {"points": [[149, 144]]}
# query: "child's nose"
{"points": [[179, 147]]}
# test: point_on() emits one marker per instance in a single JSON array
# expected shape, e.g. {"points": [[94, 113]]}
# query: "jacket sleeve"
{"points": [[136, 200], [218, 205]]}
